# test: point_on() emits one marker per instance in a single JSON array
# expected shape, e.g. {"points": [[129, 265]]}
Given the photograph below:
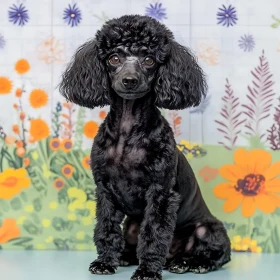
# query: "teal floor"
{"points": [[49, 265]]}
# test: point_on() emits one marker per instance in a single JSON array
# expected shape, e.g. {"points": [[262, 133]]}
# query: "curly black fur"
{"points": [[137, 168]]}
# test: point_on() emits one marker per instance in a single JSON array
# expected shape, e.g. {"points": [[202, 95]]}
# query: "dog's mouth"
{"points": [[131, 96]]}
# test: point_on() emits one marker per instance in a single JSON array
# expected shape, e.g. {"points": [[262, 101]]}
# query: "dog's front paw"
{"points": [[143, 274], [98, 267]]}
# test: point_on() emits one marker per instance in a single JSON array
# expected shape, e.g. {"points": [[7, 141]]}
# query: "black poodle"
{"points": [[135, 66]]}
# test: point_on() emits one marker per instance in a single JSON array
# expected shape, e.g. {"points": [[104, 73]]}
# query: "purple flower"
{"points": [[72, 15], [156, 11], [247, 43], [227, 16], [18, 14], [2, 41]]}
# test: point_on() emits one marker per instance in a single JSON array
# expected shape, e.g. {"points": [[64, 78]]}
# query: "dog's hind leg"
{"points": [[131, 229], [207, 249]]}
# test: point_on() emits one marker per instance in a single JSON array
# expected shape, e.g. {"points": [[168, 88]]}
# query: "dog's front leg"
{"points": [[108, 235], [156, 232]]}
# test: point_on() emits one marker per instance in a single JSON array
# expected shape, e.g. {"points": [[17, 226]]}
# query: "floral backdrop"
{"points": [[232, 140]]}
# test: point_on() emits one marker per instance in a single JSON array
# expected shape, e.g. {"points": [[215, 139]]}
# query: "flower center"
{"points": [[251, 185], [227, 15], [72, 15], [10, 182]]}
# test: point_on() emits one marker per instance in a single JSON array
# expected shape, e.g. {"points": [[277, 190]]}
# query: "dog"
{"points": [[135, 65]]}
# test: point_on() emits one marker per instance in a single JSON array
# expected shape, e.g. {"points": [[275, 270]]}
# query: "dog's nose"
{"points": [[130, 82]]}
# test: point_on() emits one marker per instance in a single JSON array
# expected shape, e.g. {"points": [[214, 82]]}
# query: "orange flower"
{"points": [[9, 230], [86, 162], [15, 129], [26, 162], [67, 170], [90, 129], [20, 152], [67, 145], [18, 92], [38, 98], [22, 66], [209, 53], [5, 85], [51, 50], [16, 106], [22, 116], [12, 182], [19, 144], [59, 183], [39, 129], [55, 144], [10, 140], [251, 183], [208, 173], [102, 114]]}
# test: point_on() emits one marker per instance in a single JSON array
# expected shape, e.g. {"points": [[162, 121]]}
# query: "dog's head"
{"points": [[132, 57]]}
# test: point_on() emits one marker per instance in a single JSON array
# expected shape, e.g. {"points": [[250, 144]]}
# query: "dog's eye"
{"points": [[114, 60], [148, 61]]}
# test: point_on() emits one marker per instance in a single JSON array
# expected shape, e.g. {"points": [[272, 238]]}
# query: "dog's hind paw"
{"points": [[143, 274], [189, 265], [97, 267], [179, 267]]}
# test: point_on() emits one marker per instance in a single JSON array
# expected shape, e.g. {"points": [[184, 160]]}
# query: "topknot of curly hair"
{"points": [[134, 32]]}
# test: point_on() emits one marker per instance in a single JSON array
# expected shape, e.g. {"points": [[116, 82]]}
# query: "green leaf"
{"points": [[275, 25], [275, 240], [23, 196], [258, 221], [37, 204], [241, 230], [61, 244], [4, 206], [16, 203], [29, 247], [21, 241], [31, 228], [63, 196], [59, 224]]}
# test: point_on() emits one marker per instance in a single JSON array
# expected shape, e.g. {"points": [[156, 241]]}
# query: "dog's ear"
{"points": [[180, 82], [85, 80]]}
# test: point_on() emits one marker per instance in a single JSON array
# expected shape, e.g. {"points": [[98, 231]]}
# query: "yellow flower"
{"points": [[46, 171], [91, 206], [80, 235], [35, 155], [53, 205], [245, 244], [72, 217], [80, 247], [87, 220], [46, 222], [12, 181], [79, 202], [21, 220], [29, 208], [40, 246], [189, 156], [49, 239]]}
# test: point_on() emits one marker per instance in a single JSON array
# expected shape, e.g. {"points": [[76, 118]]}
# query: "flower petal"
{"points": [[273, 185], [272, 171], [232, 172], [259, 161], [224, 190], [233, 202], [241, 159], [266, 203], [248, 206]]}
